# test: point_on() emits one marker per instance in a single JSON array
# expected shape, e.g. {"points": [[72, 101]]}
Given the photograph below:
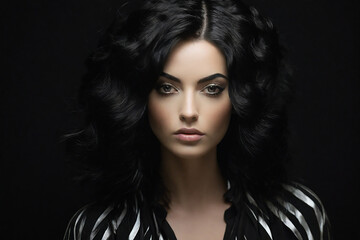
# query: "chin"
{"points": [[188, 151]]}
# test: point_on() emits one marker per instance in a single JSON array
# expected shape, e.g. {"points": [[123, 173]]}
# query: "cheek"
{"points": [[158, 114], [218, 117]]}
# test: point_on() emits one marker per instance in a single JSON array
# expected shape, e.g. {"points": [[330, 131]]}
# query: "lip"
{"points": [[189, 131], [189, 137], [189, 134]]}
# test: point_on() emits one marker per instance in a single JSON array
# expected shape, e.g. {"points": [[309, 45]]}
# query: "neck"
{"points": [[192, 182]]}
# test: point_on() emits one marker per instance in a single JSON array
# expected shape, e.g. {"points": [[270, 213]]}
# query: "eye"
{"points": [[213, 89], [166, 89]]}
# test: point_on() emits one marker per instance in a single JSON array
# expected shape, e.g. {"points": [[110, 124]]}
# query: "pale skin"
{"points": [[190, 170]]}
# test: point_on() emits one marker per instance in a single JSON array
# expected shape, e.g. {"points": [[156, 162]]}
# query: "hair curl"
{"points": [[117, 148]]}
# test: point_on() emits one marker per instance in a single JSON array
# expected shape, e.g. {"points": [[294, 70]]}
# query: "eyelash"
{"points": [[211, 85]]}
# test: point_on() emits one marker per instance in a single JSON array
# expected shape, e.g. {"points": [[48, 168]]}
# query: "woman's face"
{"points": [[192, 94]]}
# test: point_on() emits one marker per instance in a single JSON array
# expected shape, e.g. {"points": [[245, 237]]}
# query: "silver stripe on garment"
{"points": [[68, 230], [259, 218], [294, 211], [307, 189], [253, 202], [146, 230], [106, 234], [157, 228], [277, 212], [117, 223], [78, 236], [95, 229], [135, 228], [156, 225], [262, 223], [82, 223], [322, 209], [320, 216], [251, 199]]}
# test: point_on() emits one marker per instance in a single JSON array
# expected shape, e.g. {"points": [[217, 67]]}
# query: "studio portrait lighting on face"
{"points": [[176, 108]]}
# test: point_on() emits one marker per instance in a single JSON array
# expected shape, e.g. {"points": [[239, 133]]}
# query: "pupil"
{"points": [[166, 88]]}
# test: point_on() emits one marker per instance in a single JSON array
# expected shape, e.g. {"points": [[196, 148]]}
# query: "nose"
{"points": [[188, 109]]}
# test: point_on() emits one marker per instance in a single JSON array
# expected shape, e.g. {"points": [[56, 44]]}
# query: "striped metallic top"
{"points": [[298, 214]]}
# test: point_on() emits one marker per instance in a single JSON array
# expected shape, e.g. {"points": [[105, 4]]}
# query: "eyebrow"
{"points": [[202, 80]]}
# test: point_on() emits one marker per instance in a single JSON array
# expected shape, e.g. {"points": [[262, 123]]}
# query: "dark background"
{"points": [[44, 45]]}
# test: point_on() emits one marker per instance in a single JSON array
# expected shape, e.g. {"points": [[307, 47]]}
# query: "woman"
{"points": [[186, 129]]}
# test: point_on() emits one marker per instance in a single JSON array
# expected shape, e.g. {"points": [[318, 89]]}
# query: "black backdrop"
{"points": [[44, 45]]}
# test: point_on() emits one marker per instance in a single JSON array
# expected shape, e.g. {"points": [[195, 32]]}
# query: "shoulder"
{"points": [[296, 210], [100, 221]]}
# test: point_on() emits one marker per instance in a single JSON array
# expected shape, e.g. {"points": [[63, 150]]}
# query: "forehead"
{"points": [[194, 59]]}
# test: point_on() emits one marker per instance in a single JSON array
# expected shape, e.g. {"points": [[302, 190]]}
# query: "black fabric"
{"points": [[244, 220]]}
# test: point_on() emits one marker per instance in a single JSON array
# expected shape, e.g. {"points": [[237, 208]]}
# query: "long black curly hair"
{"points": [[116, 146]]}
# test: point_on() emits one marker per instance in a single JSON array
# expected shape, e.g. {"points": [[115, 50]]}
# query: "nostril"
{"points": [[188, 118]]}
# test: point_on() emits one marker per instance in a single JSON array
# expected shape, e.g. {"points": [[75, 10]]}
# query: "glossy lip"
{"points": [[188, 134], [189, 131]]}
